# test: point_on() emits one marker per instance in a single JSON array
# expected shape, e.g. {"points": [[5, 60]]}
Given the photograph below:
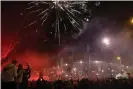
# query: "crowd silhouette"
{"points": [[14, 77], [108, 83]]}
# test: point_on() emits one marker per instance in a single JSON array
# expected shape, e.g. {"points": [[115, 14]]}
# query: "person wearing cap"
{"points": [[8, 75]]}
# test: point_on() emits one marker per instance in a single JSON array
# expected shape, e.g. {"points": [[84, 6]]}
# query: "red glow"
{"points": [[38, 61], [35, 78], [7, 43]]}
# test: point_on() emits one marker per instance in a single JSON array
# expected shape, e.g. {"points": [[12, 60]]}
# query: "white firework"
{"points": [[67, 13]]}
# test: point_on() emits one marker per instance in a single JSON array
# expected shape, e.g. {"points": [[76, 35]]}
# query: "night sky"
{"points": [[109, 19]]}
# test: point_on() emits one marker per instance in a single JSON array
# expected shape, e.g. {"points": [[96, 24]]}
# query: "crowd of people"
{"points": [[109, 83], [16, 77]]}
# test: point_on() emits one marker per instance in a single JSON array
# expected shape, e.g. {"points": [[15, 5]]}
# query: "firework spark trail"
{"points": [[30, 24], [58, 31], [73, 12], [10, 49], [35, 11], [43, 12], [65, 27]]}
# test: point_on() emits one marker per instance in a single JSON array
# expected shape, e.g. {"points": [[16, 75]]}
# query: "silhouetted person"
{"points": [[9, 73], [40, 81], [19, 78], [26, 76]]}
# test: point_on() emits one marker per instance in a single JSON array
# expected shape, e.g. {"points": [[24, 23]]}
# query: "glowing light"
{"points": [[81, 62], [66, 75], [97, 74], [132, 21], [102, 70], [66, 64], [74, 69], [118, 58], [50, 32], [122, 70], [97, 62], [106, 41], [112, 70], [127, 67], [36, 30]]}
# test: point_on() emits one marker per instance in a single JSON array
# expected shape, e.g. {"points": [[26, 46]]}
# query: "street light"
{"points": [[119, 58]]}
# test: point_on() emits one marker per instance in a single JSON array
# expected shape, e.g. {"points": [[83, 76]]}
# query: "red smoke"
{"points": [[7, 43], [38, 61]]}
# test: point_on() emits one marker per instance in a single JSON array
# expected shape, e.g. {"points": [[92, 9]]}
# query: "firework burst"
{"points": [[69, 15]]}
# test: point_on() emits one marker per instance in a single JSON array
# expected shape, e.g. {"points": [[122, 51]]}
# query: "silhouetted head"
{"points": [[14, 62], [20, 66], [128, 74]]}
